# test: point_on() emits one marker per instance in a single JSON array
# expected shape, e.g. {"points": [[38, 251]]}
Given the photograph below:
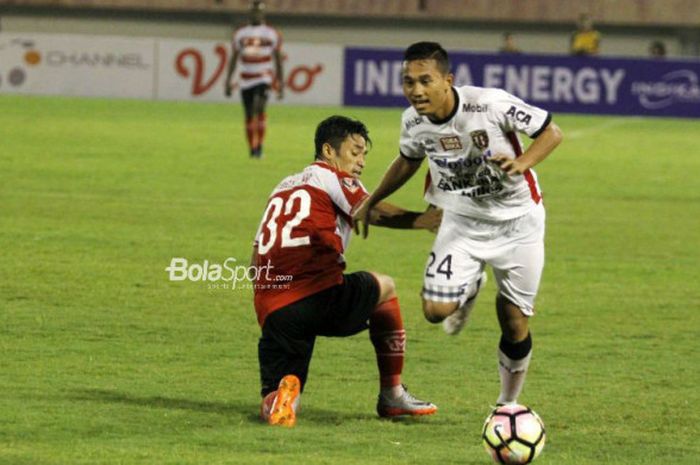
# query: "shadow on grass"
{"points": [[116, 397], [247, 409], [17, 458]]}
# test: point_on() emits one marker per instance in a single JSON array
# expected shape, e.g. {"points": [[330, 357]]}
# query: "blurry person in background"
{"points": [[585, 40], [657, 49], [258, 46], [509, 44]]}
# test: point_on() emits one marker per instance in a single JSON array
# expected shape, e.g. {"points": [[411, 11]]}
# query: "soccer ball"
{"points": [[513, 434]]}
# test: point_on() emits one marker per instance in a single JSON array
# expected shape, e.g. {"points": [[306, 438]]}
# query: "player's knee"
{"points": [[514, 323], [435, 312], [387, 288], [515, 332]]}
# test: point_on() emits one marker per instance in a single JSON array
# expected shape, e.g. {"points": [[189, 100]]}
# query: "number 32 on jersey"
{"points": [[299, 201]]}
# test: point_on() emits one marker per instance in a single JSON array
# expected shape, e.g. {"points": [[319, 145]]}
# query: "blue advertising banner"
{"points": [[557, 83]]}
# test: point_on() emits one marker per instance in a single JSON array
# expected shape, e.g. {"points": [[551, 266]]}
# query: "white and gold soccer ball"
{"points": [[513, 434]]}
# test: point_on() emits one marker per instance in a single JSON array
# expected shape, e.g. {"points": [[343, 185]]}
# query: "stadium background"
{"points": [[333, 57], [539, 25], [106, 361]]}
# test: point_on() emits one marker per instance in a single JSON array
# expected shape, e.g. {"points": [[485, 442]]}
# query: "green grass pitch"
{"points": [[104, 361]]}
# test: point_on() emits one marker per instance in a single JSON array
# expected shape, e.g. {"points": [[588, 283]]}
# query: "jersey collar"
{"points": [[325, 165], [452, 113]]}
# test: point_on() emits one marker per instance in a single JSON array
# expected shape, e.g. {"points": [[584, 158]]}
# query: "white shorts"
{"points": [[465, 245]]}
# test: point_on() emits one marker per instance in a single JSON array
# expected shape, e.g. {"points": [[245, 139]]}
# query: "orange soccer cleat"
{"points": [[283, 410]]}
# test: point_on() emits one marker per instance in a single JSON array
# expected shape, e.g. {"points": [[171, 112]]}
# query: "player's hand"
{"points": [[510, 166], [280, 93], [362, 215], [228, 89], [429, 220]]}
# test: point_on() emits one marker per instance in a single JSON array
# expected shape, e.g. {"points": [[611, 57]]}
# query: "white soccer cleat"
{"points": [[405, 405], [454, 323]]}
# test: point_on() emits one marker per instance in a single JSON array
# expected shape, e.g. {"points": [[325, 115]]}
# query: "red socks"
{"points": [[262, 124], [251, 132], [389, 340], [255, 132]]}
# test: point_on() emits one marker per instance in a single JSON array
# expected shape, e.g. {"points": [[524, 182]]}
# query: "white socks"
{"points": [[393, 392], [513, 361]]}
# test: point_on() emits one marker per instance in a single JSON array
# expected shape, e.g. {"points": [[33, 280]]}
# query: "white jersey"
{"points": [[256, 45], [462, 179]]}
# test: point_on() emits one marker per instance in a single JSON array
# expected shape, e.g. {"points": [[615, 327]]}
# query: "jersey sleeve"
{"points": [[345, 191], [513, 114], [408, 145], [353, 193]]}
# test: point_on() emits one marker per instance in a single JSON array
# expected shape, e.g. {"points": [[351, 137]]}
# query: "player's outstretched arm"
{"points": [[279, 74], [540, 149], [400, 171], [389, 215], [228, 85]]}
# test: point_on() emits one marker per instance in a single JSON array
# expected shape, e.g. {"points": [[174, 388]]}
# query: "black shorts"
{"points": [[258, 93], [289, 333]]}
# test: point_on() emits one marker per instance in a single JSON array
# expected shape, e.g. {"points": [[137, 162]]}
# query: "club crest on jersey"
{"points": [[351, 184], [480, 139], [451, 143]]}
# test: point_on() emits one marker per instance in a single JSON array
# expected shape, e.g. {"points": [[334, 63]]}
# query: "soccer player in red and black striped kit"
{"points": [[257, 45], [302, 237]]}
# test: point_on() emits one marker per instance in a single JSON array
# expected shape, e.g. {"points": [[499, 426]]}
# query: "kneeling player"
{"points": [[303, 292]]}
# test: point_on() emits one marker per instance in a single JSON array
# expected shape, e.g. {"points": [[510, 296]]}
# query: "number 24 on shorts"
{"points": [[444, 267]]}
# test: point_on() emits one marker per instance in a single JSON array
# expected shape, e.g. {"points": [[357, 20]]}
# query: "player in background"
{"points": [[258, 46], [484, 182], [509, 45], [585, 40], [657, 49], [301, 291]]}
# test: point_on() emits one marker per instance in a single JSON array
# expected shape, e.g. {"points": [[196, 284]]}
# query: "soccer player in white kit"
{"points": [[483, 180]]}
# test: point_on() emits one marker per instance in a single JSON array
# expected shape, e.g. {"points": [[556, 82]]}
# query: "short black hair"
{"points": [[335, 129], [428, 51], [658, 47]]}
